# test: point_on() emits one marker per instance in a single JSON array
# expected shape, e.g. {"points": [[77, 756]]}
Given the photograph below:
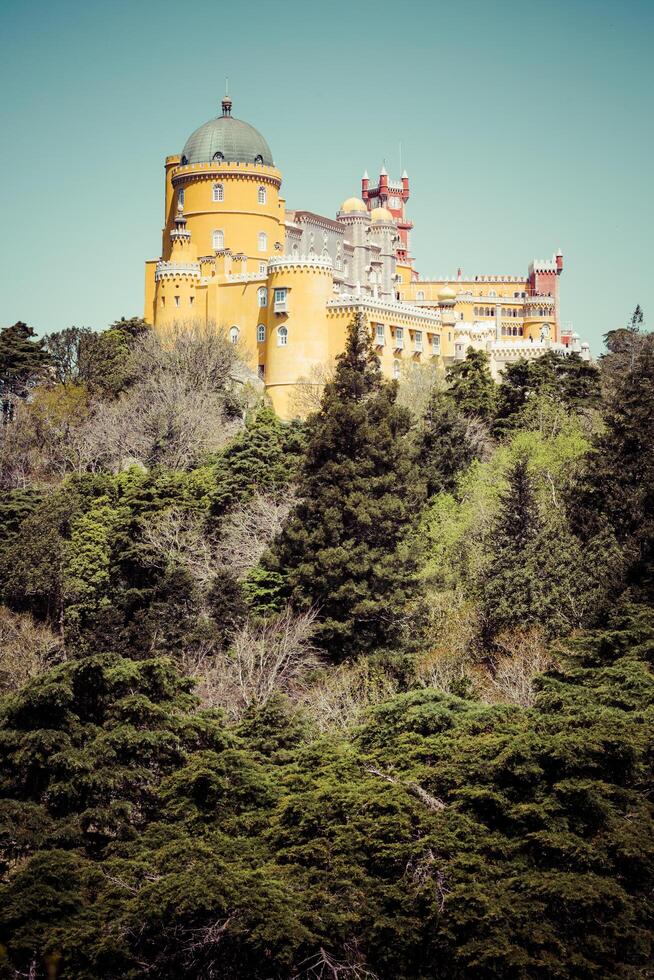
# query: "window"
{"points": [[184, 160], [191, 300], [280, 301], [262, 370], [379, 334], [262, 293], [177, 301], [417, 340], [399, 338], [180, 197], [436, 344], [262, 268], [233, 335], [263, 241], [218, 157], [396, 370], [394, 202], [262, 195], [258, 159], [261, 333], [218, 192], [218, 239], [420, 295], [296, 250], [282, 337], [346, 268]]}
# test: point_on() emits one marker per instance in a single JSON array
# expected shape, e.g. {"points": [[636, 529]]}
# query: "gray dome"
{"points": [[234, 139]]}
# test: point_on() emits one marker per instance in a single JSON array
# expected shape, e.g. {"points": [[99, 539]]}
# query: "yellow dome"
{"points": [[446, 294], [381, 214], [353, 204]]}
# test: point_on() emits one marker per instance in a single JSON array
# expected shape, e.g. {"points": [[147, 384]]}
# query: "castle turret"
{"points": [[298, 293], [392, 195], [176, 278]]}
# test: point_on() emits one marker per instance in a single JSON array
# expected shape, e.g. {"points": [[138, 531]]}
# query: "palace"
{"points": [[285, 284]]}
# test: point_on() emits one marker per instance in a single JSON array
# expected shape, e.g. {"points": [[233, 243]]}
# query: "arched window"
{"points": [[180, 196], [258, 159], [282, 336], [420, 295], [475, 312], [396, 370], [261, 333], [262, 195], [218, 192], [339, 264], [184, 160], [263, 241], [504, 330], [218, 156], [296, 250], [492, 293], [346, 268], [233, 334], [262, 293], [218, 239]]}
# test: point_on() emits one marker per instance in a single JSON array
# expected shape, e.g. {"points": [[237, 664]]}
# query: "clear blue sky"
{"points": [[525, 127]]}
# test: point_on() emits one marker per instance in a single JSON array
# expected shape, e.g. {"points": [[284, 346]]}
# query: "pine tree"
{"points": [[443, 445], [472, 387], [341, 553]]}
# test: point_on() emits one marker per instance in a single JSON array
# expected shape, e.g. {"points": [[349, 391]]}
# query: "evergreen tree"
{"points": [[341, 552], [618, 488], [563, 379], [443, 445], [472, 387], [22, 362], [508, 590], [262, 458]]}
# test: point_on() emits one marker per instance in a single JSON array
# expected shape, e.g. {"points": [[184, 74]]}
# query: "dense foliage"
{"points": [[365, 696]]}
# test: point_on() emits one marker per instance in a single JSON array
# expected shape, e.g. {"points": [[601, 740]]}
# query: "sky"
{"points": [[525, 128]]}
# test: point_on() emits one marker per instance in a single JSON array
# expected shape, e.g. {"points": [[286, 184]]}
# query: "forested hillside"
{"points": [[363, 696]]}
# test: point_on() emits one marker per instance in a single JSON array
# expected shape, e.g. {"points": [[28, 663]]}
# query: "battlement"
{"points": [[297, 262]]}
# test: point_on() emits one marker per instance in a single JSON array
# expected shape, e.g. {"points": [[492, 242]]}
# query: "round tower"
{"points": [[383, 232], [229, 186], [298, 292], [354, 215]]}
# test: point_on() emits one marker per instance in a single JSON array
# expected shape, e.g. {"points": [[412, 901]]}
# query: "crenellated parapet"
{"points": [[298, 263], [176, 270]]}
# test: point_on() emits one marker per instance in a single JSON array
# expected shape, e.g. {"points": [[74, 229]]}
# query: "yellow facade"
{"points": [[284, 285]]}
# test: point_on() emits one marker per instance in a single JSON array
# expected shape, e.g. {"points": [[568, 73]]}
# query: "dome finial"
{"points": [[227, 102]]}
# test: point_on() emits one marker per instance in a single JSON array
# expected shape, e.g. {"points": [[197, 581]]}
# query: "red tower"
{"points": [[392, 195]]}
